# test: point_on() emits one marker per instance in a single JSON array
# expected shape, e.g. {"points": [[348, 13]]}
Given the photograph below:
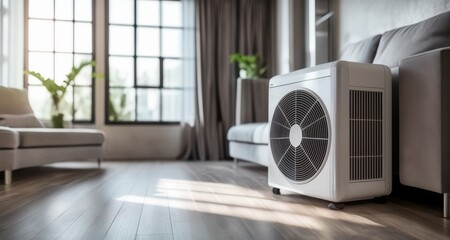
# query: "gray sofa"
{"points": [[25, 143], [419, 58], [248, 138]]}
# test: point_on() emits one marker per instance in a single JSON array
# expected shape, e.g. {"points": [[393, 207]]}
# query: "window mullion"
{"points": [[135, 64], [161, 62], [73, 60]]}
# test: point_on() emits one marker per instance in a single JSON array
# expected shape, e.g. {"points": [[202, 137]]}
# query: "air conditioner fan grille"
{"points": [[299, 155]]}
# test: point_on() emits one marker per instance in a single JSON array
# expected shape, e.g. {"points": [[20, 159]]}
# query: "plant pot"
{"points": [[58, 120], [242, 74]]}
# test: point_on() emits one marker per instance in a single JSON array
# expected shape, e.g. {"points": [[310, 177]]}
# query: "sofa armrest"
{"points": [[424, 120], [9, 138]]}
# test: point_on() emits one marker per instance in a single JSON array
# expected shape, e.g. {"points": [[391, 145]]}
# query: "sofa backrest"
{"points": [[406, 41], [363, 51], [15, 109]]}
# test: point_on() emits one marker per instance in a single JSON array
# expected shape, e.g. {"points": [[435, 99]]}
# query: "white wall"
{"points": [[131, 141], [360, 19]]}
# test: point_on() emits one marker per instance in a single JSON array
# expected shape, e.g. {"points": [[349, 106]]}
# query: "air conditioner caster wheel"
{"points": [[276, 191], [336, 206]]}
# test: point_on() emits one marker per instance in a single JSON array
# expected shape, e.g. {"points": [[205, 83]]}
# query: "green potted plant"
{"points": [[58, 91], [118, 112], [250, 66]]}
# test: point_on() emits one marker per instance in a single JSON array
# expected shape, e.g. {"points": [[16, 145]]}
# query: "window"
{"points": [[59, 36], [4, 10], [144, 61]]}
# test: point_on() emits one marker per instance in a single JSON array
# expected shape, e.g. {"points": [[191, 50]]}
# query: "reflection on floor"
{"points": [[191, 200]]}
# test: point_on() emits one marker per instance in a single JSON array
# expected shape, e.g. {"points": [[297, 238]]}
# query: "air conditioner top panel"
{"points": [[365, 74], [319, 71]]}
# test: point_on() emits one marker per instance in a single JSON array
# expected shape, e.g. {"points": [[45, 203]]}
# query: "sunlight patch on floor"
{"points": [[237, 201]]}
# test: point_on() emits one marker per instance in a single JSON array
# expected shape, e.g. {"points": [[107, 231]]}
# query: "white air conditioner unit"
{"points": [[330, 131]]}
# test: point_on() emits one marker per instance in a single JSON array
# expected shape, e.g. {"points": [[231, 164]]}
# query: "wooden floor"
{"points": [[191, 200]]}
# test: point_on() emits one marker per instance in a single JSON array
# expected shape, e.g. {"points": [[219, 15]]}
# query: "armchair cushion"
{"points": [[14, 101], [9, 139], [256, 133], [15, 109], [22, 120], [51, 137]]}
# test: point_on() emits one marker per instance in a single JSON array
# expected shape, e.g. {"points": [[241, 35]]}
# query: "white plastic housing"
{"points": [[332, 83]]}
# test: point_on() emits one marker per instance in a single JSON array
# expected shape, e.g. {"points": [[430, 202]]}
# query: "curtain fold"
{"points": [[224, 27]]}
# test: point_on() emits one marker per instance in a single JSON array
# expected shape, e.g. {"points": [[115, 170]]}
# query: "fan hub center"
{"points": [[295, 135]]}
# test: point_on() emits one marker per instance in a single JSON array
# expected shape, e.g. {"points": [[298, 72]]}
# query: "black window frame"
{"points": [[136, 86], [73, 53]]}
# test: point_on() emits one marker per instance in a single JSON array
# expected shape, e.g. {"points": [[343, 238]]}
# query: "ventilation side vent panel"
{"points": [[366, 135]]}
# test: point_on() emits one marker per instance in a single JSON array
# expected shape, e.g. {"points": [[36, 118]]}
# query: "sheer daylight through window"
{"points": [[60, 36], [144, 61]]}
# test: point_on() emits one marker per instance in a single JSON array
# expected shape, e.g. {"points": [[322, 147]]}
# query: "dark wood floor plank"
{"points": [[126, 222], [192, 200], [40, 213], [77, 219], [167, 236], [155, 217]]}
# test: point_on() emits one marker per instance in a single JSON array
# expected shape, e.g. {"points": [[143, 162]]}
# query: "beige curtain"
{"points": [[224, 27]]}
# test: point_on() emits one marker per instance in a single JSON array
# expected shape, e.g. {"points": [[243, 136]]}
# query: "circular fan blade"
{"points": [[302, 162]]}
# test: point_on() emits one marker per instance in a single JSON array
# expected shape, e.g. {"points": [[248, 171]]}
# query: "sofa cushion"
{"points": [[257, 133], [403, 42], [50, 137], [363, 51], [14, 101], [9, 138], [15, 109], [20, 121]]}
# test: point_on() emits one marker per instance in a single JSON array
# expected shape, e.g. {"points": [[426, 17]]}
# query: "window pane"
{"points": [[40, 101], [122, 104], [40, 35], [148, 105], [121, 11], [83, 37], [63, 36], [172, 73], [171, 13], [83, 103], [121, 40], [148, 71], [64, 9], [171, 42], [83, 10], [63, 65], [41, 63], [121, 71], [148, 13], [54, 45], [85, 76], [148, 41], [171, 105], [40, 9]]}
